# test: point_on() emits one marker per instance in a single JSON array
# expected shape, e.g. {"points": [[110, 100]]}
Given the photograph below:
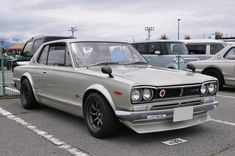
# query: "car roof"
{"points": [[83, 41], [178, 41], [50, 37], [202, 41]]}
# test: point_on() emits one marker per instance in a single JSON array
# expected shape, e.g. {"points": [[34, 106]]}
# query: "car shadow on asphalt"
{"points": [[125, 134]]}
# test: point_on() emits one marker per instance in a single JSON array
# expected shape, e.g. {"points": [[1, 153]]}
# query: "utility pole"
{"points": [[149, 29], [73, 29], [178, 28]]}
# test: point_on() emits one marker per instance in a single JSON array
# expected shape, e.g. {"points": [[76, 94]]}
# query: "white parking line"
{"points": [[226, 96], [12, 89], [56, 141], [223, 122]]}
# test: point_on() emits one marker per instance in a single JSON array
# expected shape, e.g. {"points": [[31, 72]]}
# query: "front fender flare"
{"points": [[100, 88]]}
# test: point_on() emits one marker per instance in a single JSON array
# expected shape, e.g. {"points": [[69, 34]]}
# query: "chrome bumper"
{"points": [[161, 114]]}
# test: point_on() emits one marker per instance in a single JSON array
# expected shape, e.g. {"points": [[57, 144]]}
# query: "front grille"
{"points": [[175, 105], [177, 91], [188, 91]]}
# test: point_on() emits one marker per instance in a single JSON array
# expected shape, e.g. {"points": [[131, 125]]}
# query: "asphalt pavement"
{"points": [[18, 135]]}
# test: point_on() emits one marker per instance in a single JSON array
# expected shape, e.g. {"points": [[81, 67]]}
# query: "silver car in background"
{"points": [[204, 48], [108, 83], [165, 53], [220, 66]]}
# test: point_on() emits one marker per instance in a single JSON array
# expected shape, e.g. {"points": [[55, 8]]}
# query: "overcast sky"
{"points": [[121, 20]]}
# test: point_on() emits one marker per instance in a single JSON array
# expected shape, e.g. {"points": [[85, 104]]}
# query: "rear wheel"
{"points": [[217, 75], [99, 116], [27, 97]]}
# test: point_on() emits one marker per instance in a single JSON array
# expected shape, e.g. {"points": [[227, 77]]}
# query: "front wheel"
{"points": [[27, 97], [99, 116]]}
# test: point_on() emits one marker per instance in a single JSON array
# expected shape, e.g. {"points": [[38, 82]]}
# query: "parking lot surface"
{"points": [[67, 134]]}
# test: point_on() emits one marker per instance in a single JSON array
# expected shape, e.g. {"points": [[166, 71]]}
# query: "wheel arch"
{"points": [[28, 77], [216, 68], [97, 88]]}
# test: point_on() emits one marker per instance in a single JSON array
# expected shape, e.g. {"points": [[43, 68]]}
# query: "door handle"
{"points": [[44, 72]]}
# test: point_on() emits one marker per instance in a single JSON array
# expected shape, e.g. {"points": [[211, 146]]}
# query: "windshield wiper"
{"points": [[136, 62], [104, 63]]}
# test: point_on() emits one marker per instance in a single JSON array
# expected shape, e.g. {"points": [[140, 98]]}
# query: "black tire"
{"points": [[99, 116], [217, 75], [27, 97]]}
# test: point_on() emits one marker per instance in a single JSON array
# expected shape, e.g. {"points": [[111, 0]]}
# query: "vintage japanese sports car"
{"points": [[108, 83]]}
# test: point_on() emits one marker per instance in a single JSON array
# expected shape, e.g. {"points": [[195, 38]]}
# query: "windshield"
{"points": [[174, 48], [104, 53]]}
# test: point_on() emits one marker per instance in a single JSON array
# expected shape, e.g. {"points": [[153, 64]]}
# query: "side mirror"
{"points": [[191, 67], [157, 52], [107, 70]]}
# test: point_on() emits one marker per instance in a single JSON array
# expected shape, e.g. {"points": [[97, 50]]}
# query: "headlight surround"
{"points": [[209, 88], [136, 95], [203, 89], [147, 94]]}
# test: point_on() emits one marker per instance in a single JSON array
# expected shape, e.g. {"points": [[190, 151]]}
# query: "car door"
{"points": [[227, 65]]}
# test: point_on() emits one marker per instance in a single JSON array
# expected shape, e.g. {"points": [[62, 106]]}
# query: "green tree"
{"points": [[163, 37], [218, 35], [187, 37]]}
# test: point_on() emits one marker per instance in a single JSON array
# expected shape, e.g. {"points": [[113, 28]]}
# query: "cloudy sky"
{"points": [[121, 20]]}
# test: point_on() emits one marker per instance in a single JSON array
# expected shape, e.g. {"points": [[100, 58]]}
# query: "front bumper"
{"points": [[163, 119], [161, 114]]}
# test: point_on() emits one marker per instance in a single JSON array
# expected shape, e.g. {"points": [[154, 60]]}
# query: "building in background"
{"points": [[15, 48]]}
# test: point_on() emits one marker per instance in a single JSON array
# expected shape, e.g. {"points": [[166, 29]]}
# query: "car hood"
{"points": [[148, 75]]}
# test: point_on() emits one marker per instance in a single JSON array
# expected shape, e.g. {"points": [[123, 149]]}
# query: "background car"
{"points": [[31, 46], [204, 48], [108, 83], [221, 66], [165, 53]]}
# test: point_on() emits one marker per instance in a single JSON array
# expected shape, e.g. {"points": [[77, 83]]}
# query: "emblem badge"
{"points": [[162, 93]]}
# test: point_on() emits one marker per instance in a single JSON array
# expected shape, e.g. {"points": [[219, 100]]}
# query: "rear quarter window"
{"points": [[195, 49]]}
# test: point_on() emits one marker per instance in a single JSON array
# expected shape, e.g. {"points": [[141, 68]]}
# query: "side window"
{"points": [[230, 54], [142, 48], [37, 44], [43, 57], [154, 47], [196, 49], [214, 48], [27, 49], [56, 56]]}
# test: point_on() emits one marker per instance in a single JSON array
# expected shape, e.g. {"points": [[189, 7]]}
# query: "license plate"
{"points": [[182, 114]]}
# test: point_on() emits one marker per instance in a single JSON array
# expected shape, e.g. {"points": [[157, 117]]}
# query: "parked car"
{"points": [[31, 47], [110, 82], [221, 66], [204, 48], [165, 53]]}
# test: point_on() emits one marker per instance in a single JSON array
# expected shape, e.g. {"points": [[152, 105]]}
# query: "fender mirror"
{"points": [[107, 70], [191, 67]]}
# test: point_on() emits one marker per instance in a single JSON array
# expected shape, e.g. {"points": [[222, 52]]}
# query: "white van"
{"points": [[204, 48], [165, 53]]}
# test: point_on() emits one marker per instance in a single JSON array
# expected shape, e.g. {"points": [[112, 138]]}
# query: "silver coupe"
{"points": [[110, 83]]}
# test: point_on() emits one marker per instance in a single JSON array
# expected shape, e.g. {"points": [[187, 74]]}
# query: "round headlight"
{"points": [[136, 95], [203, 89], [211, 88], [147, 94]]}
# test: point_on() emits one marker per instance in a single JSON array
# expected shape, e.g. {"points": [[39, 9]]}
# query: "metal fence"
{"points": [[6, 79]]}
